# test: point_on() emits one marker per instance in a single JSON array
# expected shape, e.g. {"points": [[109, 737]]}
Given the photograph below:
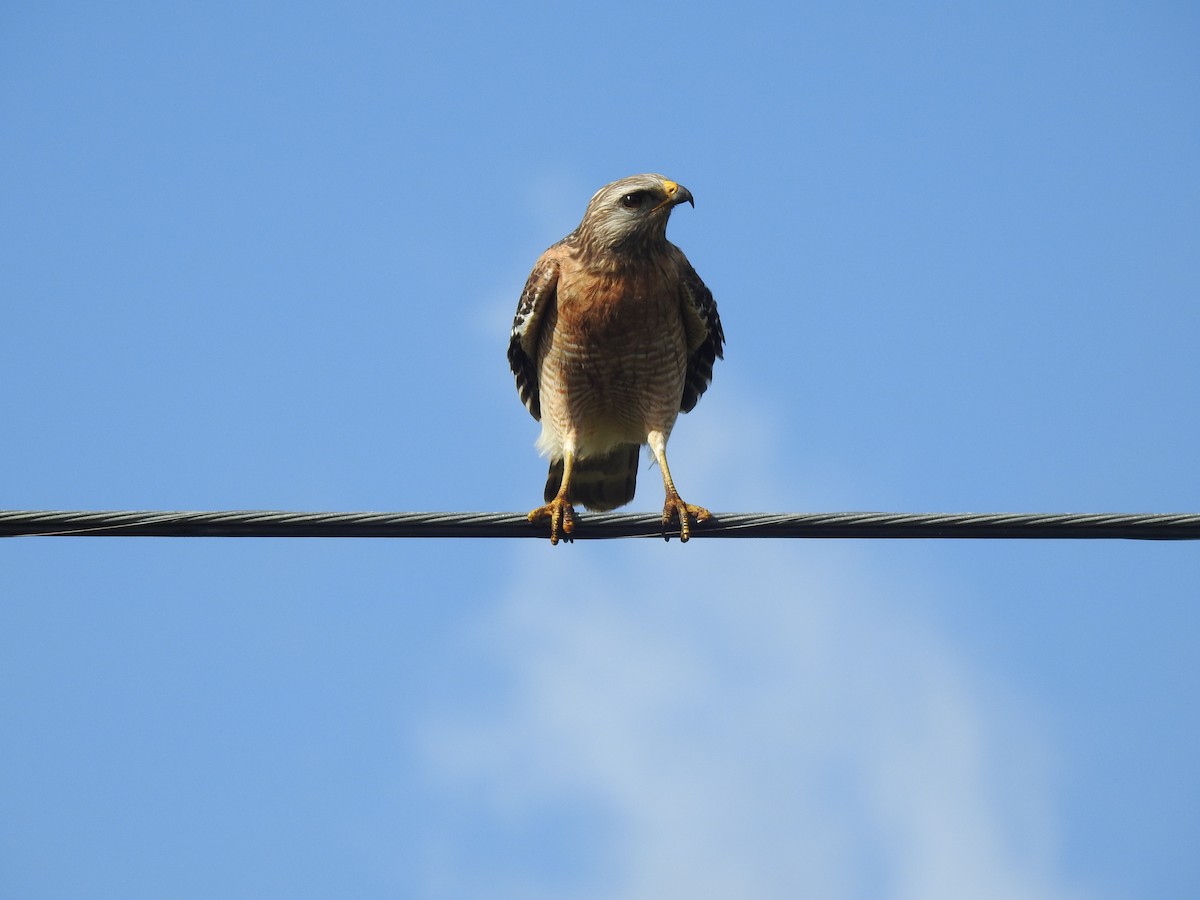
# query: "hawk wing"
{"points": [[705, 337], [540, 294]]}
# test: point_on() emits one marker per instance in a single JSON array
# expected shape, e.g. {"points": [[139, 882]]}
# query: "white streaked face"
{"points": [[641, 203]]}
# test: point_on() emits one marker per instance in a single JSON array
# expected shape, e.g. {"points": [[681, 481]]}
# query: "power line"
{"points": [[1150, 526]]}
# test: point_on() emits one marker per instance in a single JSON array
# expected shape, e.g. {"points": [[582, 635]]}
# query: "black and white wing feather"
{"points": [[705, 337], [540, 294]]}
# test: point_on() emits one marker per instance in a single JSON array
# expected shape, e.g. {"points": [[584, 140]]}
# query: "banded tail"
{"points": [[599, 482]]}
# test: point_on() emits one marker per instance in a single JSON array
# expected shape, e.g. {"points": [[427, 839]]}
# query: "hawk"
{"points": [[614, 336]]}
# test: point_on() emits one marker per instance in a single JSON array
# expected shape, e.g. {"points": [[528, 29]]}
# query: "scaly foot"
{"points": [[675, 510], [560, 513]]}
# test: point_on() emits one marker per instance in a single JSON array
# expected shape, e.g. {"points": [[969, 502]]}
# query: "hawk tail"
{"points": [[599, 482]]}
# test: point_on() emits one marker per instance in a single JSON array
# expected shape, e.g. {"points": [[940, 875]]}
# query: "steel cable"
{"points": [[252, 523]]}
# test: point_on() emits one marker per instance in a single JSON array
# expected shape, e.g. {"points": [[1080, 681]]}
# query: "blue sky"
{"points": [[266, 256]]}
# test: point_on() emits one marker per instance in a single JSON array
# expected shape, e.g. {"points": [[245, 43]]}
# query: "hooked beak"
{"points": [[676, 194]]}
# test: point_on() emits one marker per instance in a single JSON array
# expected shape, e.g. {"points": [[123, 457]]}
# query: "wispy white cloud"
{"points": [[745, 722]]}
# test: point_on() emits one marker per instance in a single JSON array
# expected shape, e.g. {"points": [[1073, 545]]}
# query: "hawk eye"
{"points": [[634, 200]]}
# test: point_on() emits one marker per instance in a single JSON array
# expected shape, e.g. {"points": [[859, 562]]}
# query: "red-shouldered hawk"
{"points": [[615, 335]]}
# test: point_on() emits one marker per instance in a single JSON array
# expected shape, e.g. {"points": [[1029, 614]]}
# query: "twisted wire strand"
{"points": [[879, 525]]}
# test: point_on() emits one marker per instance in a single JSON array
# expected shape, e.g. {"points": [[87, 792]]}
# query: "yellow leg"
{"points": [[559, 511], [674, 509]]}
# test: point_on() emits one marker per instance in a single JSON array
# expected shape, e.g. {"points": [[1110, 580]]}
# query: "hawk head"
{"points": [[630, 216]]}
